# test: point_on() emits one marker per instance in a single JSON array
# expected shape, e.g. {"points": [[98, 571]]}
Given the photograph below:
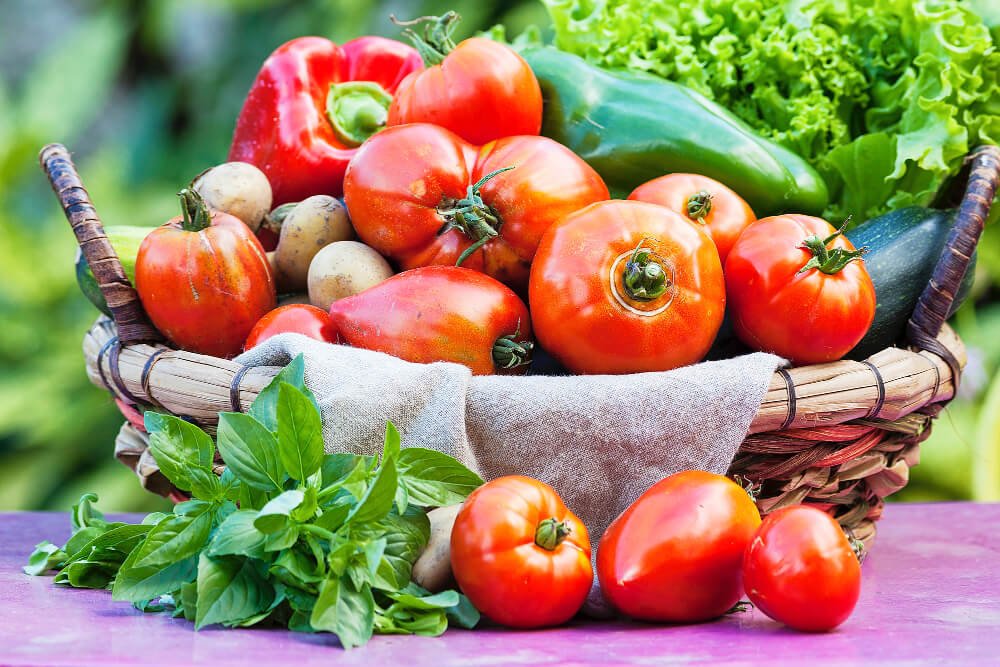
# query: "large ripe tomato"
{"points": [[626, 287], [675, 554], [419, 195], [481, 89], [300, 318], [439, 313], [204, 280], [800, 570], [798, 288], [723, 213], [520, 556]]}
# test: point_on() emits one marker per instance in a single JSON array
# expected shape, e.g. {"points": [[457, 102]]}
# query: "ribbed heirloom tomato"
{"points": [[520, 555], [626, 287], [676, 553], [297, 318], [420, 195], [798, 288], [203, 279], [723, 213], [481, 89], [800, 570]]}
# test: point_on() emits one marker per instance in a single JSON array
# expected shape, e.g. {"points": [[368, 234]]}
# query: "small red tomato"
{"points": [[675, 555], [520, 556], [297, 318], [800, 570], [798, 288], [704, 200]]}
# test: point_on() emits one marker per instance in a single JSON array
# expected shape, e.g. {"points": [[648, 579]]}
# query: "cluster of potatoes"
{"points": [[317, 259]]}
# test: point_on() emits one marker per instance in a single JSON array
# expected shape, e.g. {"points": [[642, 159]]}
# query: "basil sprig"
{"points": [[287, 535]]}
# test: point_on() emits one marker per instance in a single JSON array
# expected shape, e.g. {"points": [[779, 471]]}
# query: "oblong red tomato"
{"points": [[800, 570], [204, 280], [675, 555], [481, 89], [300, 318], [439, 313], [420, 195], [704, 200], [798, 288], [520, 555], [626, 287]]}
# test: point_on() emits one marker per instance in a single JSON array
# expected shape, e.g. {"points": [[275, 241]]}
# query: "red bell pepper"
{"points": [[312, 104]]}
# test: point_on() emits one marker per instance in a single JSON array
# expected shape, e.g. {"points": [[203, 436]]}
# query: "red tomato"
{"points": [[520, 556], [297, 318], [675, 554], [481, 89], [420, 195], [723, 213], [800, 570], [626, 287], [798, 288], [204, 280], [439, 313]]}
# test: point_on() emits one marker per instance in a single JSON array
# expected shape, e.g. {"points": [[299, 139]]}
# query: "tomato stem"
{"points": [[276, 218], [472, 217], [699, 205], [435, 43], [644, 277], [194, 210], [551, 532], [827, 260], [508, 352]]}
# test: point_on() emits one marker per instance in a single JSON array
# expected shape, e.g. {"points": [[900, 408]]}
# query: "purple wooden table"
{"points": [[930, 594]]}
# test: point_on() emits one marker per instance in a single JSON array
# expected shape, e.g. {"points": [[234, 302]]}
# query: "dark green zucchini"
{"points": [[903, 248], [125, 240]]}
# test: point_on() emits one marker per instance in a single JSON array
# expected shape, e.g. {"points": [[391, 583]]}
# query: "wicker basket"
{"points": [[841, 436]]}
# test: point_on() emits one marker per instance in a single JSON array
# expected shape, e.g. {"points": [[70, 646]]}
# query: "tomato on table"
{"points": [[800, 570], [798, 288], [420, 195], [675, 555], [521, 557], [704, 200], [300, 318], [626, 287]]}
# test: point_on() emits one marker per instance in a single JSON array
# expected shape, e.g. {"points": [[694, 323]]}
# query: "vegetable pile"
{"points": [[884, 97]]}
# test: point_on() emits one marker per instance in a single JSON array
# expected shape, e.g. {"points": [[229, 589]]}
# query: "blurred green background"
{"points": [[145, 94]]}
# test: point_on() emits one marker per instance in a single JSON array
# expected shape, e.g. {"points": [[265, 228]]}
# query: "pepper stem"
{"points": [[829, 260], [551, 533], [699, 205], [357, 110], [194, 210], [472, 217], [644, 277], [508, 352], [435, 43]]}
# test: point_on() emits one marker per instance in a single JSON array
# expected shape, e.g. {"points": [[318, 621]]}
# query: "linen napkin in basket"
{"points": [[599, 440]]}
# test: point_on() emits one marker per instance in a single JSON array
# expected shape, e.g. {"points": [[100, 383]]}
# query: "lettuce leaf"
{"points": [[883, 97]]}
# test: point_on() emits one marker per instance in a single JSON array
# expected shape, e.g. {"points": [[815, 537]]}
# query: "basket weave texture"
{"points": [[841, 436]]}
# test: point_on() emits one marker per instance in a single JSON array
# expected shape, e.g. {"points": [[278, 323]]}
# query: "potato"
{"points": [[313, 224], [343, 269], [237, 188], [433, 568]]}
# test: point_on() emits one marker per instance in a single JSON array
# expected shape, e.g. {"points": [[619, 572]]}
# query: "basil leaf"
{"points": [[237, 535], [165, 560], [179, 447], [274, 516], [347, 613], [434, 479], [85, 515], [378, 498], [88, 573], [464, 614], [250, 451], [405, 537], [282, 539], [85, 536], [299, 565], [336, 468], [45, 557], [416, 600], [115, 543], [399, 619], [300, 433], [251, 498], [265, 407], [279, 597], [392, 443], [231, 590], [189, 600]]}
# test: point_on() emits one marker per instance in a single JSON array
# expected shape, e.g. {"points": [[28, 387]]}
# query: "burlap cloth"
{"points": [[600, 440]]}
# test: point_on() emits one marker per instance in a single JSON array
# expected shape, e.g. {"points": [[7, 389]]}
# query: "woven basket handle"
{"points": [[123, 301], [936, 300]]}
